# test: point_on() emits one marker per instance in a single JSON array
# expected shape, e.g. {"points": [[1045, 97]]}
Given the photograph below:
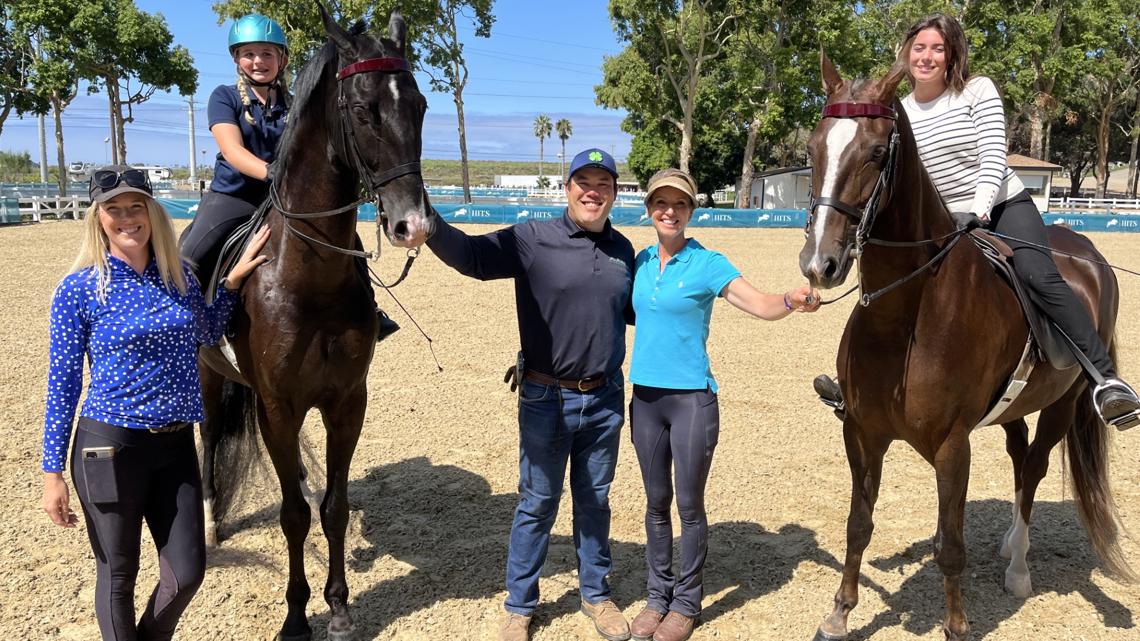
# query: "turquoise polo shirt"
{"points": [[673, 308]]}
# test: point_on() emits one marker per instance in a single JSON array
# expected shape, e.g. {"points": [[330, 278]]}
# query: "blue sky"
{"points": [[542, 57]]}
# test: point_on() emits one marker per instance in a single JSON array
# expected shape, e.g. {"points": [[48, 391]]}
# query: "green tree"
{"points": [[565, 130], [661, 72], [128, 53], [17, 61], [432, 29], [542, 128]]}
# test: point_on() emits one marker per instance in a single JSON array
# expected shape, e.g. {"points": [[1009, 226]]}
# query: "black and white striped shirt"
{"points": [[961, 140]]}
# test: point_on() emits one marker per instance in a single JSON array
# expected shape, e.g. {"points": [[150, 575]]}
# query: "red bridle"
{"points": [[373, 64], [858, 110]]}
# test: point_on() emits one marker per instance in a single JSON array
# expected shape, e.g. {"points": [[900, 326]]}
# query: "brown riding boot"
{"points": [[515, 627], [608, 620], [675, 627], [645, 624]]}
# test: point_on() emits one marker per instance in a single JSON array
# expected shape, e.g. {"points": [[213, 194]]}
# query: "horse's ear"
{"points": [[398, 31], [334, 30], [831, 79], [889, 83]]}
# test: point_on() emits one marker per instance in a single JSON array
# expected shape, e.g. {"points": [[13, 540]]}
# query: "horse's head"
{"points": [[852, 156], [382, 115]]}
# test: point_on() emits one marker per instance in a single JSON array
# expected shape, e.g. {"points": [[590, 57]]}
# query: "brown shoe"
{"points": [[644, 624], [675, 627], [515, 627], [608, 620]]}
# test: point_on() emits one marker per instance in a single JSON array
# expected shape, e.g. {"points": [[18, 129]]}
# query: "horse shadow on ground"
{"points": [[1061, 561], [447, 526]]}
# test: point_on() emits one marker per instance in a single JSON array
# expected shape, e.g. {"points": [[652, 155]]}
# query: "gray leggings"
{"points": [[675, 429]]}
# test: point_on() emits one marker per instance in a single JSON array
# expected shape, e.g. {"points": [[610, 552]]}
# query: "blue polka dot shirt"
{"points": [[141, 346]]}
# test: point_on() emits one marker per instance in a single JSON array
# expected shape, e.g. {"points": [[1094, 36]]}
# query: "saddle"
{"points": [[231, 250], [1049, 345]]}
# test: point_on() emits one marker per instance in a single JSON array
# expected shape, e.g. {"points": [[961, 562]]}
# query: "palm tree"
{"points": [[542, 128], [564, 130]]}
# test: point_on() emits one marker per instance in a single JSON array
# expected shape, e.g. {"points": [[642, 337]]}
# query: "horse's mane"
{"points": [[316, 70]]}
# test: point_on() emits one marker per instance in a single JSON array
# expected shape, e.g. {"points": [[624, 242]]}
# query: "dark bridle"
{"points": [[866, 217], [374, 183]]}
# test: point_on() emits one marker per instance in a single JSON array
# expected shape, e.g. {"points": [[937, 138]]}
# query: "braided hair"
{"points": [[279, 85]]}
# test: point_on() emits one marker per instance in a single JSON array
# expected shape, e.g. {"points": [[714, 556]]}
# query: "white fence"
{"points": [[36, 208], [1099, 205]]}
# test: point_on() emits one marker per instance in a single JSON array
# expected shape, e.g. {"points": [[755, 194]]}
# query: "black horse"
{"points": [[306, 327]]}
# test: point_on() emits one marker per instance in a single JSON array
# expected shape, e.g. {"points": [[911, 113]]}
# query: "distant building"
{"points": [[790, 187], [522, 181]]}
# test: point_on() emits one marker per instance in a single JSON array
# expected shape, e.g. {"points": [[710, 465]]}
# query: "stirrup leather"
{"points": [[1124, 421]]}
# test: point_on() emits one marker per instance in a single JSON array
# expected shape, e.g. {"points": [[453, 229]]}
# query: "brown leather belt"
{"points": [[169, 428], [581, 385]]}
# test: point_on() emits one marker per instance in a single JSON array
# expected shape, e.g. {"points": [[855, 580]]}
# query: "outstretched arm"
{"points": [[742, 295]]}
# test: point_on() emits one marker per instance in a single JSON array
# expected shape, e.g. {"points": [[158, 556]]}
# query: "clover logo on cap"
{"points": [[596, 156]]}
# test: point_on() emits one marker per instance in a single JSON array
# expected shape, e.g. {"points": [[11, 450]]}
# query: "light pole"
{"points": [[106, 156]]}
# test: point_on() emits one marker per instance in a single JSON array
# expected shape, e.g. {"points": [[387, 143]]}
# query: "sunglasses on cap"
{"points": [[106, 179]]}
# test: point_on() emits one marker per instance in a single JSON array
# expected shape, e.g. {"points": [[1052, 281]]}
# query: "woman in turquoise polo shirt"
{"points": [[674, 416]]}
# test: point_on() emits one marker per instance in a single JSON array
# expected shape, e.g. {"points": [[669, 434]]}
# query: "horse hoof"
{"points": [[820, 635], [341, 629], [1019, 585], [304, 636]]}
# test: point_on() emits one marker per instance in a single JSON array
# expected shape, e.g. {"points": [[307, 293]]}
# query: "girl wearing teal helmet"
{"points": [[247, 120]]}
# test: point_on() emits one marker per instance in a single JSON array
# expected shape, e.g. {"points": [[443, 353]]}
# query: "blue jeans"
{"points": [[557, 426]]}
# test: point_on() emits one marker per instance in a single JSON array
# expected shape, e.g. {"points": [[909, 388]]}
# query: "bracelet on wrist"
{"points": [[787, 303]]}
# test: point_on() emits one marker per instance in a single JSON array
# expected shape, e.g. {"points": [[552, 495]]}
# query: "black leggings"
{"points": [[1018, 217], [217, 217], [152, 477], [678, 429]]}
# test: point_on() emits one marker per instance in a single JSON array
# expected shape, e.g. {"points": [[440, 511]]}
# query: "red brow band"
{"points": [[373, 64], [857, 110]]}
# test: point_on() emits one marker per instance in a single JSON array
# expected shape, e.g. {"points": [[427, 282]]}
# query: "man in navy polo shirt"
{"points": [[572, 294]]}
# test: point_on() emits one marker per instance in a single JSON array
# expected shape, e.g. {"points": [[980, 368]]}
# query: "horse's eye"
{"points": [[360, 112], [878, 152]]}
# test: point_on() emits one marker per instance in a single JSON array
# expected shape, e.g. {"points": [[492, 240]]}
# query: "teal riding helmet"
{"points": [[256, 28]]}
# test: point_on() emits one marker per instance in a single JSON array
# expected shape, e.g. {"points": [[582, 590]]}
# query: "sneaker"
{"points": [[387, 325], [1117, 404], [675, 627], [515, 627], [608, 620], [645, 624]]}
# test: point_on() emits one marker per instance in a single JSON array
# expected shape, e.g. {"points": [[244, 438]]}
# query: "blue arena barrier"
{"points": [[704, 217]]}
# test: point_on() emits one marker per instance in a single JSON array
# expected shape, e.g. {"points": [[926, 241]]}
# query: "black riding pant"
{"points": [[675, 429], [217, 217], [1018, 218], [151, 477]]}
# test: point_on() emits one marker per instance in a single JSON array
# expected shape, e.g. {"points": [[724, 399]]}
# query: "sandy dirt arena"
{"points": [[434, 481]]}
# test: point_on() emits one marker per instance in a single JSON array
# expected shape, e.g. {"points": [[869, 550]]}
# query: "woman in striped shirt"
{"points": [[958, 122]]}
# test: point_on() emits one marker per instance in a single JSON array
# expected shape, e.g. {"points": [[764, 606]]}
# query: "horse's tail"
{"points": [[238, 445], [1087, 445]]}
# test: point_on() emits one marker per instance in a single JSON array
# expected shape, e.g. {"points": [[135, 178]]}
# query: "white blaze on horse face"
{"points": [[839, 138], [393, 88]]}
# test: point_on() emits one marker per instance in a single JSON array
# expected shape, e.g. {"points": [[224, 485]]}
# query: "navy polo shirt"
{"points": [[260, 138], [572, 289], [674, 307]]}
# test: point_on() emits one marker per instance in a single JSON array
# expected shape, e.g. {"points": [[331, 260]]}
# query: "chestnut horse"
{"points": [[925, 356], [306, 326]]}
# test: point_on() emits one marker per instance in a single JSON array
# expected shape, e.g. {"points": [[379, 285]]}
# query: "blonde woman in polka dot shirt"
{"points": [[133, 310]]}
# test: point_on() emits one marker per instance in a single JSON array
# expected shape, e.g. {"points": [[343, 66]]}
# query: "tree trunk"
{"points": [[1036, 131], [121, 126], [686, 149], [562, 164], [540, 151], [61, 160], [112, 136], [1133, 170], [747, 171], [1048, 141], [463, 146], [4, 111], [1103, 130]]}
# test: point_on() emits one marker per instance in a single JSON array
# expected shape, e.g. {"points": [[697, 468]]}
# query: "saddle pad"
{"points": [[1050, 344]]}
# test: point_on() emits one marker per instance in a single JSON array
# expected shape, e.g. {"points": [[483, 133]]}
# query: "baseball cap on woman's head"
{"points": [[594, 158], [672, 178], [112, 180]]}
